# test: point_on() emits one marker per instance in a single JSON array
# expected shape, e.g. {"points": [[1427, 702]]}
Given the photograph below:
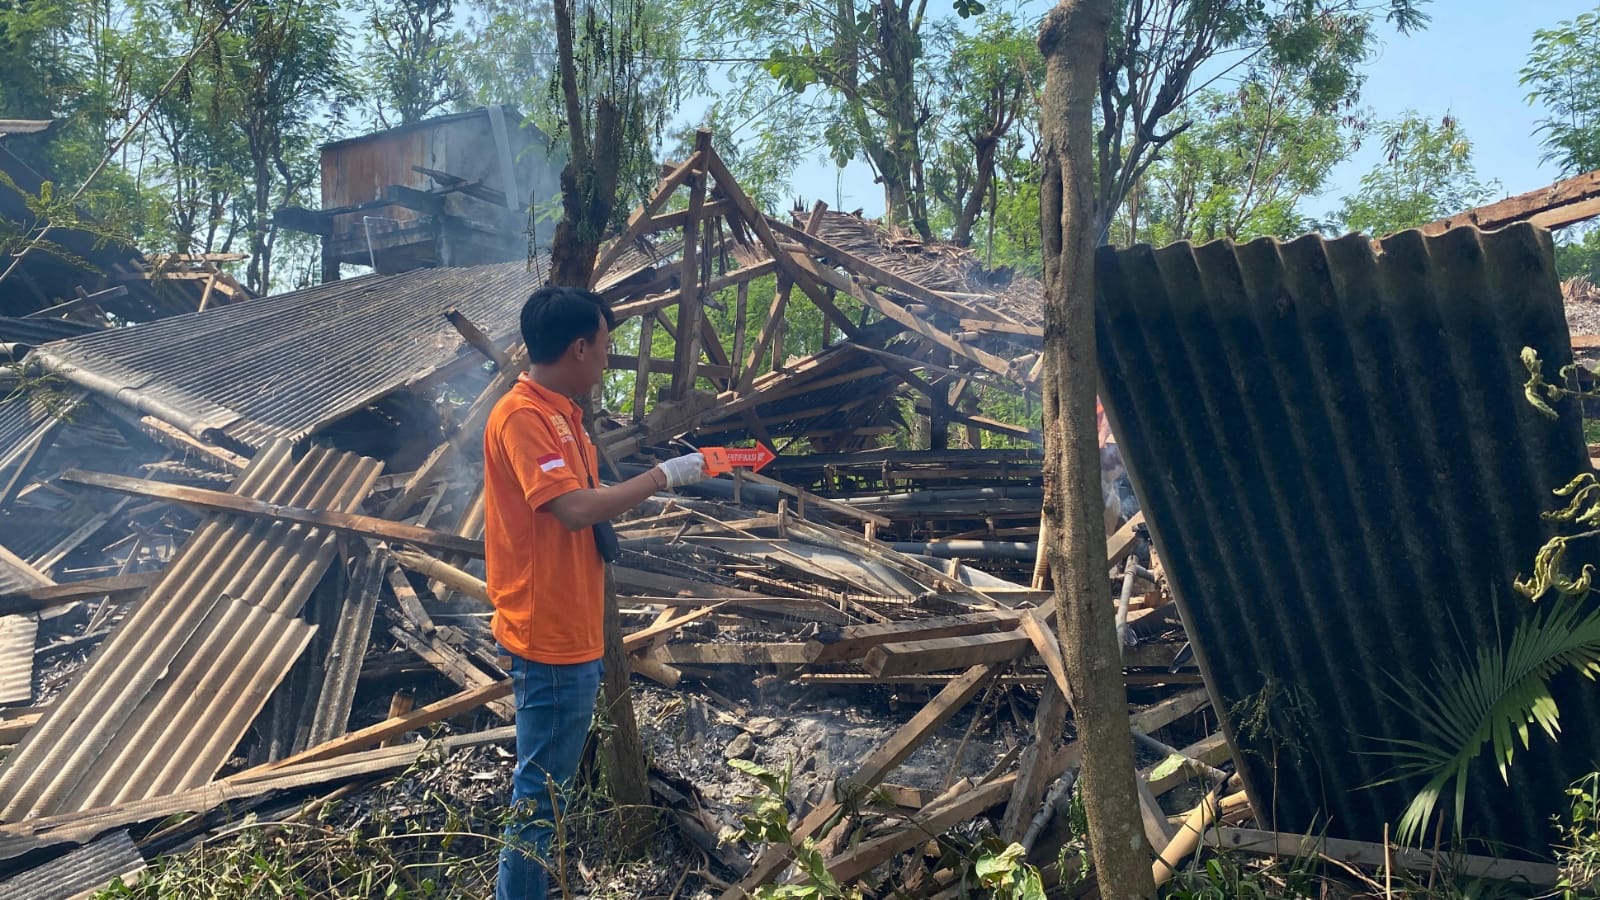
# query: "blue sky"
{"points": [[1466, 63]]}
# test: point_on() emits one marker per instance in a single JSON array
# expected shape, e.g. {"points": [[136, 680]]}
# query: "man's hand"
{"points": [[686, 469]]}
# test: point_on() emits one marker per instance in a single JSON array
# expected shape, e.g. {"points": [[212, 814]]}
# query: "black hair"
{"points": [[557, 315]]}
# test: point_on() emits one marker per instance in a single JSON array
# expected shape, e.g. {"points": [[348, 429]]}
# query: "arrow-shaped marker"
{"points": [[720, 460]]}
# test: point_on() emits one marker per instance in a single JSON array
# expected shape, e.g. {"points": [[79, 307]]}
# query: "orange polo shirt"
{"points": [[547, 584]]}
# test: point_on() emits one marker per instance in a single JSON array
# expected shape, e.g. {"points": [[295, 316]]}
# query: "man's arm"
{"points": [[585, 506]]}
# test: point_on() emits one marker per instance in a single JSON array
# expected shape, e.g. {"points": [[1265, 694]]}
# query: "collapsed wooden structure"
{"points": [[249, 565]]}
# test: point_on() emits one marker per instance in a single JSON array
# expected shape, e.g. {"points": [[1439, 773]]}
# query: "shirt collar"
{"points": [[561, 403]]}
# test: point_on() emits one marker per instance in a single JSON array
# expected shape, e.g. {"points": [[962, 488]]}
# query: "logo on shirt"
{"points": [[553, 461], [562, 428]]}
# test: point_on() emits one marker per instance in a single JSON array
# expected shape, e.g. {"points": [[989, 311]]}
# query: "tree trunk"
{"points": [[985, 146], [622, 754], [1073, 39]]}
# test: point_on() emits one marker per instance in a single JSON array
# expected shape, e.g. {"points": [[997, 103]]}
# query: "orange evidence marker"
{"points": [[721, 460]]}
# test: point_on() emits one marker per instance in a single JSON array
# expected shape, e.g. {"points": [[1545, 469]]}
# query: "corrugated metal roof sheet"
{"points": [[87, 868], [1342, 477], [18, 634], [35, 331], [284, 366], [170, 694]]}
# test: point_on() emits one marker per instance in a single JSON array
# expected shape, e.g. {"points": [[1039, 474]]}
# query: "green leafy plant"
{"points": [[1579, 849], [1008, 876], [767, 821], [1498, 697]]}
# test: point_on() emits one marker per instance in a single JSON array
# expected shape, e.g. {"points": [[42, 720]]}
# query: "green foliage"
{"points": [[1579, 849], [1242, 168], [1578, 253], [1156, 48], [1493, 699], [767, 821], [1007, 875], [988, 83], [1427, 174], [1563, 76], [410, 59], [1496, 696], [505, 56], [853, 76]]}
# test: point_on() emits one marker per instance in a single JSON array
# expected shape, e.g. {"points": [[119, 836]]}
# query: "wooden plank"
{"points": [[474, 336], [345, 523], [686, 350], [34, 599], [682, 217], [644, 366], [1169, 710], [24, 466], [1173, 771], [842, 509], [1375, 856], [1036, 625], [871, 772], [1036, 770], [373, 735], [934, 820], [1547, 203], [853, 641], [13, 729], [639, 219], [661, 366], [1119, 545], [769, 331], [854, 264], [173, 436], [638, 639], [939, 654], [717, 654]]}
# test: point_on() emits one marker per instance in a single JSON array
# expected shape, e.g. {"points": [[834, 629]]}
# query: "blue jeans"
{"points": [[554, 706]]}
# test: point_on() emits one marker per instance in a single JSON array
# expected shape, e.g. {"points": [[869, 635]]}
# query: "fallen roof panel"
{"points": [[1342, 477], [169, 695], [284, 366]]}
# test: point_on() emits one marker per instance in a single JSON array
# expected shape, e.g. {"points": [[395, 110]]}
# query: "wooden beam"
{"points": [[1560, 204], [872, 772], [659, 365], [1376, 856], [173, 436], [474, 335], [373, 735], [936, 819], [939, 654], [865, 269], [639, 219], [720, 654], [638, 639], [853, 641], [34, 599], [345, 523], [686, 351]]}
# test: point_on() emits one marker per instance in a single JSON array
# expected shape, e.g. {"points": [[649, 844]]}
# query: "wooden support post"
{"points": [[641, 381], [686, 352], [741, 321]]}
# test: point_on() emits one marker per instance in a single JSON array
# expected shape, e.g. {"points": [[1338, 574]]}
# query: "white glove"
{"points": [[686, 469]]}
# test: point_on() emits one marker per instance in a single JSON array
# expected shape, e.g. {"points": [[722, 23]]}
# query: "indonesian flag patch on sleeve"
{"points": [[553, 461]]}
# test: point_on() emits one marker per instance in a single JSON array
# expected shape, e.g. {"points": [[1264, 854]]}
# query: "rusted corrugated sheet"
{"points": [[285, 366], [172, 691], [87, 868], [1342, 478]]}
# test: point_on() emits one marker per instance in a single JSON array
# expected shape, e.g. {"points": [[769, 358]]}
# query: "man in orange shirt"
{"points": [[546, 576]]}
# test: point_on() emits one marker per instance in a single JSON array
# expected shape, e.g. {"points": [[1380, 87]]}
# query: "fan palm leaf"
{"points": [[1497, 699]]}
